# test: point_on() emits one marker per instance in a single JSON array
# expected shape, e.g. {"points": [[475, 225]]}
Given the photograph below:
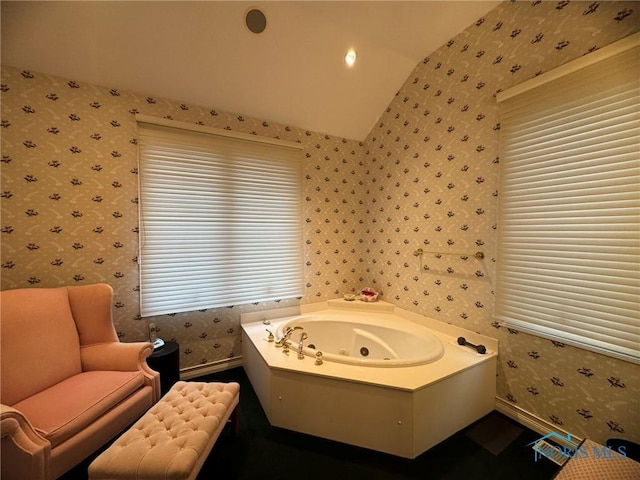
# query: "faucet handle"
{"points": [[270, 338]]}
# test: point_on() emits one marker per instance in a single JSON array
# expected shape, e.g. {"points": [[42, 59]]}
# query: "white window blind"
{"points": [[220, 219], [569, 223]]}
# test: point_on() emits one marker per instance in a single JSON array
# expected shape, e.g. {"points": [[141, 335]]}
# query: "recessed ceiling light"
{"points": [[350, 57]]}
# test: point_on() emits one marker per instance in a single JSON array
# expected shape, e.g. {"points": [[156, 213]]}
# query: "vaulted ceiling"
{"points": [[203, 53]]}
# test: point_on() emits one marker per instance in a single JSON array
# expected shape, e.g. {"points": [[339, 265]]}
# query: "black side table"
{"points": [[166, 361]]}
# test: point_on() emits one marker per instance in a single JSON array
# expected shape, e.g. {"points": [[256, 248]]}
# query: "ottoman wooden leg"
{"points": [[235, 421]]}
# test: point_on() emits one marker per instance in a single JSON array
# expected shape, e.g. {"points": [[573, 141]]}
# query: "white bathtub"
{"points": [[435, 388], [361, 339]]}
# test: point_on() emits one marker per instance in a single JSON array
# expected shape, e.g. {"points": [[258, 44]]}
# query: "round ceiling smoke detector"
{"points": [[255, 20]]}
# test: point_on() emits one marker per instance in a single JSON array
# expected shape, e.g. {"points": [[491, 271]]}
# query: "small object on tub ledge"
{"points": [[481, 349], [319, 360], [368, 294], [350, 297]]}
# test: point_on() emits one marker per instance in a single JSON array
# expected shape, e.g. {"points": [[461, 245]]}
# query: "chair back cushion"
{"points": [[91, 309], [39, 344]]}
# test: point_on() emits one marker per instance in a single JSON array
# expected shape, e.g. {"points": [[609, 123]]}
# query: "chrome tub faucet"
{"points": [[286, 335], [303, 337]]}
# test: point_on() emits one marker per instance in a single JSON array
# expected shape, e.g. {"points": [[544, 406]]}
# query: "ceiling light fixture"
{"points": [[350, 57]]}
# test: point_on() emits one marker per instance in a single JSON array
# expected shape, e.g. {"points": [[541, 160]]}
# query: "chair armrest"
{"points": [[25, 454], [121, 356]]}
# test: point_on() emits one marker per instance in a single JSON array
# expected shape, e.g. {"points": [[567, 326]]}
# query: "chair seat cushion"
{"points": [[64, 409]]}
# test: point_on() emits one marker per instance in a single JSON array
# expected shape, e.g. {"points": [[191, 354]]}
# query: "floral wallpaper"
{"points": [[425, 178], [432, 183], [70, 203]]}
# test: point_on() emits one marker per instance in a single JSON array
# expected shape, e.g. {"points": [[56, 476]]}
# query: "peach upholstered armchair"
{"points": [[68, 385]]}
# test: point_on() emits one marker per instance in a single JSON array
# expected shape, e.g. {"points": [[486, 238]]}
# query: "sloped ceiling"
{"points": [[202, 53]]}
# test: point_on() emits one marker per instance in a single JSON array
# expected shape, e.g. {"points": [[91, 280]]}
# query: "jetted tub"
{"points": [[364, 340], [435, 388]]}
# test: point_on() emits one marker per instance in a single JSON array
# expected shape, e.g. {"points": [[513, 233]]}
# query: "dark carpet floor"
{"points": [[265, 452]]}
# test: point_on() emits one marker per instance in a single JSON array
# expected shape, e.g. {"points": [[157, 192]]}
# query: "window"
{"points": [[569, 222], [220, 218]]}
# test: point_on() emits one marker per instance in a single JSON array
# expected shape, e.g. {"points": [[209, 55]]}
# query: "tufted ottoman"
{"points": [[172, 440]]}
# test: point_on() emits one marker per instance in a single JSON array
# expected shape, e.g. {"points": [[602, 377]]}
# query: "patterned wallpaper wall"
{"points": [[70, 203], [432, 183], [426, 177]]}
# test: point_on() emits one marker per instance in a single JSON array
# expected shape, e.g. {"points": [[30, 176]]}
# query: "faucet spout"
{"points": [[286, 335]]}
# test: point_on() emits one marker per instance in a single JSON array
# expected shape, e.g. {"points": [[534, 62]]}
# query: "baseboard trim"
{"points": [[208, 368], [533, 422]]}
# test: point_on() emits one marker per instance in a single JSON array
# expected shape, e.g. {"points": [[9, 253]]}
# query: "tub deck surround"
{"points": [[456, 358], [399, 410]]}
